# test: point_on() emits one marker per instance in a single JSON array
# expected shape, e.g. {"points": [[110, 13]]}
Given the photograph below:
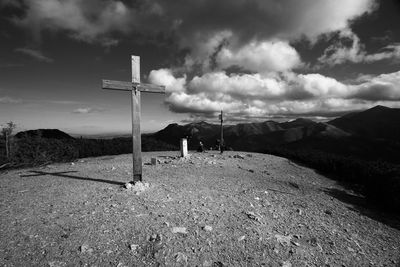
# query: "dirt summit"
{"points": [[234, 209]]}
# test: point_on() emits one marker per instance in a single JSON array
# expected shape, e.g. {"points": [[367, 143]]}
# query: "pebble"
{"points": [[133, 247], [283, 240], [208, 228], [328, 212], [241, 238], [86, 249], [253, 216], [179, 230]]}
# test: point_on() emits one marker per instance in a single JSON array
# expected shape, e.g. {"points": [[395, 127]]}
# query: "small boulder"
{"points": [[283, 240], [86, 249], [133, 247], [179, 230], [207, 228]]}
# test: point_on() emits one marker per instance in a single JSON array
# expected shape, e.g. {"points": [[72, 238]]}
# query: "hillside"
{"points": [[243, 136], [208, 210], [376, 123], [44, 133]]}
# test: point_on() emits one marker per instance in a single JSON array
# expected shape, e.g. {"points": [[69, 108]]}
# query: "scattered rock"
{"points": [[86, 249], [250, 170], [350, 249], [294, 185], [299, 211], [328, 212], [128, 186], [286, 264], [113, 168], [155, 238], [72, 164], [249, 155], [137, 188], [238, 156], [253, 216], [154, 161], [181, 258], [283, 240], [133, 247], [296, 244], [207, 228], [241, 238], [179, 230]]}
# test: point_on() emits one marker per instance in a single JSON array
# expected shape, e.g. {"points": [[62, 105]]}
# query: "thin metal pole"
{"points": [[222, 134]]}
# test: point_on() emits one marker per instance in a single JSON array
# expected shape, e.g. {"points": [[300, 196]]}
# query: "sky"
{"points": [[256, 60]]}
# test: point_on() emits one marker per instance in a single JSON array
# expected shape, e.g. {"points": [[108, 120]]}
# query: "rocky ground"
{"points": [[235, 209]]}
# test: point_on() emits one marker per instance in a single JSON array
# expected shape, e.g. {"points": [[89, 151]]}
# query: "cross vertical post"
{"points": [[136, 136], [135, 87]]}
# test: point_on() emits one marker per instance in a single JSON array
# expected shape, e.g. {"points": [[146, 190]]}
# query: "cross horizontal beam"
{"points": [[129, 86]]}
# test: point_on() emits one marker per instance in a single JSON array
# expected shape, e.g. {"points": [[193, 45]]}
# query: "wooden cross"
{"points": [[135, 87]]}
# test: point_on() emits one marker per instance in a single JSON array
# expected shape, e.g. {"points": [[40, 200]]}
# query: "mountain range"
{"points": [[370, 134], [373, 134]]}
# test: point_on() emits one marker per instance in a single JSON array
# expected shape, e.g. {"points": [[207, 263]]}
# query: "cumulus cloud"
{"points": [[382, 87], [166, 78], [255, 95], [260, 57], [36, 54]]}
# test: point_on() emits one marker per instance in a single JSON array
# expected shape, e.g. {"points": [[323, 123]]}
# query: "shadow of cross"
{"points": [[67, 175]]}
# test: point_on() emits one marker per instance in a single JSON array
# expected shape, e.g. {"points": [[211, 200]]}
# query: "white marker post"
{"points": [[184, 148]]}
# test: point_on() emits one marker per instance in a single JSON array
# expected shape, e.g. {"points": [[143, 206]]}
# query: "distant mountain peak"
{"points": [[44, 133], [379, 107]]}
